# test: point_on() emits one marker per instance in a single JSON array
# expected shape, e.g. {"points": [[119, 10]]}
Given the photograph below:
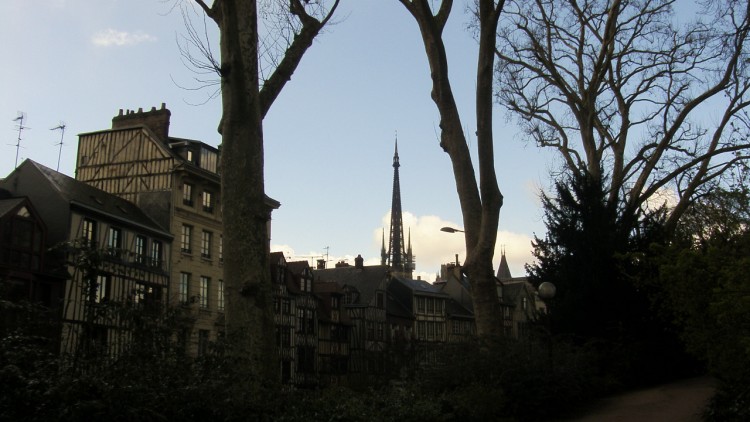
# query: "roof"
{"points": [[455, 310], [366, 280], [91, 199], [421, 286], [503, 271], [513, 290], [8, 205]]}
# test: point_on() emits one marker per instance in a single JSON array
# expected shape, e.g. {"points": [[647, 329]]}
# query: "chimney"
{"points": [[359, 262], [321, 264], [156, 120]]}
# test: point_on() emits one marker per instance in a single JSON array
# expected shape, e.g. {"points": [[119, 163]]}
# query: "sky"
{"points": [[329, 137]]}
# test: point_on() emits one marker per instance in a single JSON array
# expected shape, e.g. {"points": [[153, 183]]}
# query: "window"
{"points": [[420, 330], [205, 284], [456, 327], [140, 249], [102, 288], [431, 330], [156, 253], [184, 287], [202, 342], [430, 305], [286, 306], [206, 244], [146, 296], [439, 331], [334, 302], [88, 231], [420, 305], [305, 359], [208, 203], [370, 330], [305, 282], [187, 194], [380, 300], [221, 248], [381, 331], [220, 295], [284, 336], [524, 303], [114, 241], [209, 160], [185, 235], [286, 371]]}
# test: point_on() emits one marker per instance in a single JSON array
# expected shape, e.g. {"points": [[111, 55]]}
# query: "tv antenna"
{"points": [[61, 128], [20, 127]]}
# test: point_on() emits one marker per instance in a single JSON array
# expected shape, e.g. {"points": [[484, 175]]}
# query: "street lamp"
{"points": [[547, 291], [450, 230]]}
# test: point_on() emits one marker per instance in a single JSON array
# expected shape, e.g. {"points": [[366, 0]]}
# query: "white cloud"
{"points": [[431, 247], [112, 37]]}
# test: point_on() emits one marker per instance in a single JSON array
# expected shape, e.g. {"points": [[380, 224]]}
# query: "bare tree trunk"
{"points": [[249, 318], [249, 315], [480, 205]]}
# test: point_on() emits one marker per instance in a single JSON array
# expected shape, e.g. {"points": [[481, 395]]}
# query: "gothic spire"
{"points": [[396, 251]]}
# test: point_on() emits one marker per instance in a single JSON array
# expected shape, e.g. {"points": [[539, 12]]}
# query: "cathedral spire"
{"points": [[396, 253]]}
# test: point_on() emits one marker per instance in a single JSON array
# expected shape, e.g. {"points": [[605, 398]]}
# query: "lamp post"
{"points": [[546, 292], [450, 230]]}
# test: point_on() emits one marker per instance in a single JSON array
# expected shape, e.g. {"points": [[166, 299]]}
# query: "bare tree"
{"points": [[249, 305], [480, 204], [625, 92]]}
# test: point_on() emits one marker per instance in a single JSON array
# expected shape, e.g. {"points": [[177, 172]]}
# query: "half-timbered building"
{"points": [[365, 289], [116, 254], [177, 182], [334, 327]]}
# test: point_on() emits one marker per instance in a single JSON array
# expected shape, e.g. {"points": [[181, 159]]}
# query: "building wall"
{"points": [[133, 163], [123, 277]]}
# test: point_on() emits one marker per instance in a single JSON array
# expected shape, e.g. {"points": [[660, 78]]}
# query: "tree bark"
{"points": [[480, 205], [249, 314]]}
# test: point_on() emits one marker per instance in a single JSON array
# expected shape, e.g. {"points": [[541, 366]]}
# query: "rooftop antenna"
{"points": [[61, 128], [327, 248], [20, 127]]}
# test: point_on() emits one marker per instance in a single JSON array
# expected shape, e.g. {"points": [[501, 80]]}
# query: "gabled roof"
{"points": [[366, 279], [92, 200], [394, 307], [455, 310], [513, 290]]}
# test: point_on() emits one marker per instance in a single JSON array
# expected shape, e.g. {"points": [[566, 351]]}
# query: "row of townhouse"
{"points": [[153, 204]]}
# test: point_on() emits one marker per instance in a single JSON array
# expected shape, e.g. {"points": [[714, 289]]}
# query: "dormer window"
{"points": [[306, 281]]}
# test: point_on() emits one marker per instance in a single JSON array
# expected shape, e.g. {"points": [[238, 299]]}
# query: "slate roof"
{"points": [[88, 197], [366, 279], [422, 286], [454, 309], [512, 291]]}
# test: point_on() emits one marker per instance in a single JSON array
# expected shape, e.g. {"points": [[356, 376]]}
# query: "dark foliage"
{"points": [[596, 258], [703, 285]]}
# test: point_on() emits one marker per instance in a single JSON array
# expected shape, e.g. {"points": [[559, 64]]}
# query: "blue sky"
{"points": [[329, 137]]}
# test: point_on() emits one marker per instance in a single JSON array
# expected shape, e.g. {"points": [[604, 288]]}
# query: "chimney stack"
{"points": [[359, 262], [156, 120]]}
